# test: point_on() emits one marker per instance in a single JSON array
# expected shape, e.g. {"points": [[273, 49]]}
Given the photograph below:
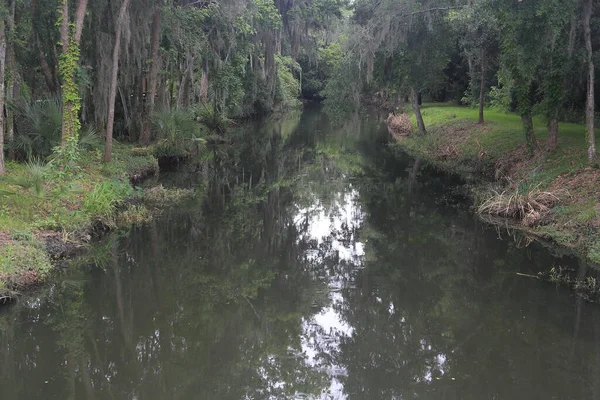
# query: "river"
{"points": [[315, 263]]}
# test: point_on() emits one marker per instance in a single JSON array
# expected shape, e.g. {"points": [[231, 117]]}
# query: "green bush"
{"points": [[177, 133]]}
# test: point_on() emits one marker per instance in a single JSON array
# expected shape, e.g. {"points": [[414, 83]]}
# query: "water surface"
{"points": [[315, 264]]}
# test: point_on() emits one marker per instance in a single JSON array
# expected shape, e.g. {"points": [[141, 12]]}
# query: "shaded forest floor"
{"points": [[49, 213], [554, 196]]}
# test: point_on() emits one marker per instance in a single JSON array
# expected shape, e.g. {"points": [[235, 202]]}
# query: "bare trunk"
{"points": [[46, 70], [482, 86], [151, 97], [10, 90], [553, 133], [527, 121], [64, 26], [186, 82], [414, 98], [589, 109], [79, 19], [110, 120], [2, 70], [204, 83]]}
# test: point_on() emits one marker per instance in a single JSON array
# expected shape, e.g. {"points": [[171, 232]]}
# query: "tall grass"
{"points": [[103, 200]]}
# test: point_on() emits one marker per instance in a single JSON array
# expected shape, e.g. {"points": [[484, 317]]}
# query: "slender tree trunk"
{"points": [[186, 82], [527, 121], [414, 98], [151, 97], [46, 70], [590, 106], [10, 91], [552, 143], [2, 70], [482, 86], [204, 83], [49, 77], [110, 121], [79, 19]]}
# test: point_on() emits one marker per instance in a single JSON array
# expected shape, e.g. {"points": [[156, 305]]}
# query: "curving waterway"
{"points": [[315, 263]]}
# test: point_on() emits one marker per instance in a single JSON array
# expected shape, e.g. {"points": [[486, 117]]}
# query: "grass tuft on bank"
{"points": [[554, 195]]}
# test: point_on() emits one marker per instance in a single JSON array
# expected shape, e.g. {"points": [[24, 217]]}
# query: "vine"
{"points": [[67, 65]]}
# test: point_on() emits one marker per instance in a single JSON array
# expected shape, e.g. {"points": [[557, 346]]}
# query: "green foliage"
{"points": [[213, 119], [163, 197], [594, 252], [39, 126], [103, 200], [288, 86], [177, 133], [34, 175], [21, 262]]}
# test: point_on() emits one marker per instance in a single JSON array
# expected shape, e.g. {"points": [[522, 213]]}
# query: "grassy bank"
{"points": [[552, 195], [48, 211]]}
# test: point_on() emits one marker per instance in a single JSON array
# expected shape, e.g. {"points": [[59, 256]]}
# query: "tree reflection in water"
{"points": [[318, 264]]}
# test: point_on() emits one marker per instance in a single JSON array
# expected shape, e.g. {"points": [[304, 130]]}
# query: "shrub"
{"points": [[178, 133]]}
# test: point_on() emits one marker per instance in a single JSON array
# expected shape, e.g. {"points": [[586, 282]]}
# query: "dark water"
{"points": [[316, 265]]}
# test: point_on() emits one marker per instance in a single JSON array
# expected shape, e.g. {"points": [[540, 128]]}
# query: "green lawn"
{"points": [[503, 133]]}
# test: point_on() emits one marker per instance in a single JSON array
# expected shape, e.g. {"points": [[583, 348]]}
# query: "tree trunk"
{"points": [[553, 133], [414, 97], [482, 86], [204, 83], [79, 19], [2, 70], [68, 74], [10, 90], [110, 121], [589, 109], [527, 121], [46, 70], [68, 68], [49, 76], [151, 97]]}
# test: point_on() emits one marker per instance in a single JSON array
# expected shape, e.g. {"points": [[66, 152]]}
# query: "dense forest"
{"points": [[88, 71]]}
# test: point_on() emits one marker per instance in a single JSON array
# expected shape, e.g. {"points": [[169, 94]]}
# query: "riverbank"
{"points": [[48, 213], [552, 196]]}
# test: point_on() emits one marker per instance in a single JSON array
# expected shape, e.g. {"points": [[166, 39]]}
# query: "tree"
{"points": [[11, 79], [70, 37], [477, 28], [2, 91], [153, 75], [114, 80], [589, 105]]}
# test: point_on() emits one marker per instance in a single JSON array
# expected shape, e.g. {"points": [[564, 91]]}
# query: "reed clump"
{"points": [[399, 125], [528, 208]]}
